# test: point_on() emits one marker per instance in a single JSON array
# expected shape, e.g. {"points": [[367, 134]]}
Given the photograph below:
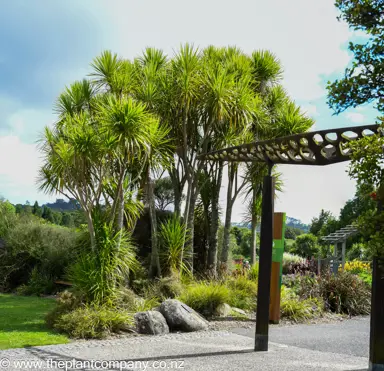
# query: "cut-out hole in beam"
{"points": [[349, 135], [331, 137], [318, 139]]}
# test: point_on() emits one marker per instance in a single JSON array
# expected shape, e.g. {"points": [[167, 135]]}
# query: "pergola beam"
{"points": [[324, 147], [341, 235]]}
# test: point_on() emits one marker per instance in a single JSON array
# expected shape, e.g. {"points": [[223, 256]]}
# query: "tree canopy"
{"points": [[363, 81]]}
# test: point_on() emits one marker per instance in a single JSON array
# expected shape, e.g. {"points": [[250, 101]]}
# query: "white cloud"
{"points": [[19, 162], [19, 165], [304, 34], [308, 189], [310, 110], [355, 117]]}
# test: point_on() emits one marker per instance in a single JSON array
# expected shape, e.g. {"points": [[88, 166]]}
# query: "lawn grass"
{"points": [[22, 322]]}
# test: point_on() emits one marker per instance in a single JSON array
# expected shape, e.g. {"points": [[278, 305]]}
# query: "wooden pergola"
{"points": [[339, 240], [319, 148]]}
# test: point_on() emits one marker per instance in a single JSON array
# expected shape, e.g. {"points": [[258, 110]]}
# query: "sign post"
{"points": [[277, 266]]}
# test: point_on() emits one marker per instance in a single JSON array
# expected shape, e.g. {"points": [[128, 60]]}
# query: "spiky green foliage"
{"points": [[94, 322], [172, 238], [97, 275], [298, 310], [205, 297], [243, 293]]}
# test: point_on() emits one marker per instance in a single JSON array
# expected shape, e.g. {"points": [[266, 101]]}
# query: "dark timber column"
{"points": [[265, 264], [376, 343], [376, 353]]}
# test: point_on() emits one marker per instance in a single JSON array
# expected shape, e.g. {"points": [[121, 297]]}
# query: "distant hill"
{"points": [[296, 223], [62, 205], [290, 222]]}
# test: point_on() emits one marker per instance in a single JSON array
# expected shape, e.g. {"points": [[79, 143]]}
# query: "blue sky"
{"points": [[47, 44]]}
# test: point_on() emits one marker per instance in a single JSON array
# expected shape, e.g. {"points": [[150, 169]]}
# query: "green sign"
{"points": [[278, 243]]}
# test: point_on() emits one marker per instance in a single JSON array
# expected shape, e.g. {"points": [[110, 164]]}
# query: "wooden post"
{"points": [[343, 254], [274, 308], [265, 264], [376, 351]]}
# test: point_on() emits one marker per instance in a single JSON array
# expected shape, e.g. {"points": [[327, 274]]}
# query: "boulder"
{"points": [[180, 317], [239, 311], [151, 322], [223, 310]]}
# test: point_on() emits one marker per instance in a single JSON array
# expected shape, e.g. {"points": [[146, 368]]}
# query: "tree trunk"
{"points": [[91, 230], [120, 214], [213, 233], [188, 247], [177, 192], [254, 228], [155, 269], [226, 238], [227, 223]]}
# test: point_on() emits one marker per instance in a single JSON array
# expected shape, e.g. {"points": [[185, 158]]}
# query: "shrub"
{"points": [[166, 288], [66, 302], [366, 278], [305, 245], [205, 297], [172, 241], [296, 309], [30, 244], [39, 283], [301, 310], [7, 217], [357, 267], [130, 302], [144, 304], [243, 293], [291, 262], [90, 322], [97, 274], [345, 293], [305, 286], [254, 272]]}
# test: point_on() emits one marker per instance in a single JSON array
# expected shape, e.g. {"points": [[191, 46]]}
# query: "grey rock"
{"points": [[223, 310], [180, 317], [239, 311], [151, 322]]}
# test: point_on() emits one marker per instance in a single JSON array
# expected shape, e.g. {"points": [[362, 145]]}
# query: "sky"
{"points": [[48, 44]]}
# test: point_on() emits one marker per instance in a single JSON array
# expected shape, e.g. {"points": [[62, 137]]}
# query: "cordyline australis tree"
{"points": [[104, 147], [274, 115], [213, 98], [137, 118]]}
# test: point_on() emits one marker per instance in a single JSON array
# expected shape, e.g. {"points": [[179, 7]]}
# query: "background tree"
{"points": [[306, 246], [362, 82], [291, 233], [164, 193], [317, 223], [36, 210]]}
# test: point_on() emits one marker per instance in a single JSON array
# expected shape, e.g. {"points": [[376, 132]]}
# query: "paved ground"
{"points": [[205, 351], [347, 337]]}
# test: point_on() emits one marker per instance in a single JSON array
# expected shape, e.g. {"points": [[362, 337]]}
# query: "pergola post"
{"points": [[344, 246], [376, 353], [265, 264], [376, 339], [334, 264], [312, 148]]}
